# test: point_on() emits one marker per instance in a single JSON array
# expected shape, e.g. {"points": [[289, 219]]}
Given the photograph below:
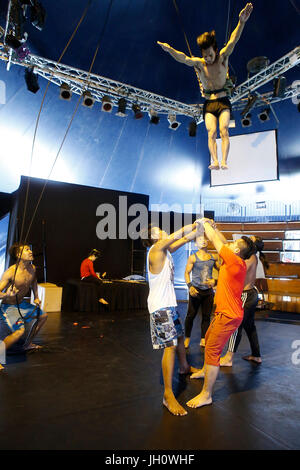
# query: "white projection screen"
{"points": [[252, 158]]}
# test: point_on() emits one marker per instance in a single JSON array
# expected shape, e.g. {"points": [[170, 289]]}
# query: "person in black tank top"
{"points": [[201, 293]]}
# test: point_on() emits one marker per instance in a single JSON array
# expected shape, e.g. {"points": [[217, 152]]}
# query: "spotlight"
{"points": [[12, 41], [264, 115], [121, 107], [65, 92], [154, 118], [192, 128], [246, 121], [88, 100], [249, 105], [107, 104], [37, 14], [137, 111], [172, 121], [31, 80], [279, 87]]}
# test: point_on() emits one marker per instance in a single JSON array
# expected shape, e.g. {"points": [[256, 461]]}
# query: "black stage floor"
{"points": [[98, 385]]}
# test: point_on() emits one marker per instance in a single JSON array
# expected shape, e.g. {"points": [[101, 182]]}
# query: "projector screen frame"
{"points": [[258, 181]]}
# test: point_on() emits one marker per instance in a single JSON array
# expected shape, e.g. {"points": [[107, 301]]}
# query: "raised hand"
{"points": [[245, 13], [164, 46]]}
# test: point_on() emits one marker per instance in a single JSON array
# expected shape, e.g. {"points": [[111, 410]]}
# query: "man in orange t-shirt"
{"points": [[229, 311]]}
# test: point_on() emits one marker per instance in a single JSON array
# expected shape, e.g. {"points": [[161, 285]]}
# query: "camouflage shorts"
{"points": [[165, 327]]}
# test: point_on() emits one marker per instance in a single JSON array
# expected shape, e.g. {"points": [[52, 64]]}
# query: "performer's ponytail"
{"points": [[259, 245]]}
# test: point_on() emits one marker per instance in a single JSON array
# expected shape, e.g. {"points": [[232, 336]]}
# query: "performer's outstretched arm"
{"points": [[236, 34], [180, 56]]}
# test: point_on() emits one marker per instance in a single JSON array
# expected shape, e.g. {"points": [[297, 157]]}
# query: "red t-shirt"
{"points": [[87, 268], [230, 284]]}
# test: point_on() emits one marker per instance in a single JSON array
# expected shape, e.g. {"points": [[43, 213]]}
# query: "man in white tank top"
{"points": [[166, 330]]}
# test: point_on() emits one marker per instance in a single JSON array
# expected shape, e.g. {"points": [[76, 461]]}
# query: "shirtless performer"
{"points": [[228, 312], [14, 285], [212, 68], [166, 329], [250, 301]]}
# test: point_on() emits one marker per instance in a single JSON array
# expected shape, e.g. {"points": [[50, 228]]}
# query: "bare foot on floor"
{"points": [[224, 166], [173, 406], [200, 400], [198, 375], [188, 370], [33, 347], [225, 362], [1, 368], [103, 301], [257, 360]]}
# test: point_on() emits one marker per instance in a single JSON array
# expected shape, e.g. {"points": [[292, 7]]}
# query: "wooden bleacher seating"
{"points": [[281, 288]]}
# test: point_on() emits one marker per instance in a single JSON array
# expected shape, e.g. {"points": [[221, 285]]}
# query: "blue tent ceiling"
{"points": [[104, 150]]}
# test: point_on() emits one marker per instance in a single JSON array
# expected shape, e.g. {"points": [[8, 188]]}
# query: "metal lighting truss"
{"points": [[80, 81]]}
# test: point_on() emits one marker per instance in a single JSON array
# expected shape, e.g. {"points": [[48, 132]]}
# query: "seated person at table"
{"points": [[87, 271]]}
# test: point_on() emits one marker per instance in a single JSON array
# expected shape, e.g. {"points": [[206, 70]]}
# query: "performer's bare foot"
{"points": [[257, 360], [33, 347], [200, 400], [188, 370], [214, 166], [224, 166], [202, 342], [226, 361], [186, 342], [103, 301], [1, 368], [198, 375], [170, 402]]}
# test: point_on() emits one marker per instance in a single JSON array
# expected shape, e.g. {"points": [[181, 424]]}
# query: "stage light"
{"points": [[264, 115], [31, 80], [137, 111], [37, 14], [174, 124], [257, 64], [249, 105], [65, 92], [279, 87], [121, 107], [246, 121], [154, 118], [107, 105], [88, 100], [192, 128]]}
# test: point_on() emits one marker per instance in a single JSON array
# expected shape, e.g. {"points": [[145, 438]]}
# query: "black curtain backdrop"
{"points": [[65, 223]]}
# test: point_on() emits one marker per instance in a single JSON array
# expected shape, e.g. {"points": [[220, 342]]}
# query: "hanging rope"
{"points": [[187, 42], [71, 121], [33, 143], [229, 27]]}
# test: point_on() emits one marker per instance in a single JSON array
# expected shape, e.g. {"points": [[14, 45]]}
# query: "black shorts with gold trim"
{"points": [[216, 106]]}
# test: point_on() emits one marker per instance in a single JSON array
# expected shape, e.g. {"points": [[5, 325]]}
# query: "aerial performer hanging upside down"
{"points": [[212, 69]]}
